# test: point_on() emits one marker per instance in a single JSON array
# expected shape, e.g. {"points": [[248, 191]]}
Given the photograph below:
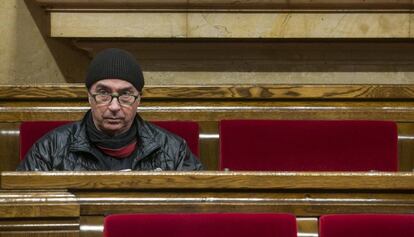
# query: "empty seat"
{"points": [[201, 225], [31, 131], [284, 145], [366, 225]]}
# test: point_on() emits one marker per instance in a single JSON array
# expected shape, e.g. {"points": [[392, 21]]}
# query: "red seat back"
{"points": [[283, 145], [366, 225], [200, 225], [31, 131]]}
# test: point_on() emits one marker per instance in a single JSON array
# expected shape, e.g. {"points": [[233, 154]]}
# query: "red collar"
{"points": [[122, 152]]}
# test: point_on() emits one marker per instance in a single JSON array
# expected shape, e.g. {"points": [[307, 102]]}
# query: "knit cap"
{"points": [[115, 63]]}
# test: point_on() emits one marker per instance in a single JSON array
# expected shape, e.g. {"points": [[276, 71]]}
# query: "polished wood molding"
{"points": [[224, 92], [39, 224], [15, 204], [211, 110], [307, 194], [209, 180], [226, 4], [39, 213], [304, 194]]}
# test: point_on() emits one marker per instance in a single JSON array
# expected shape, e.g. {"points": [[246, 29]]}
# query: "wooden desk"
{"points": [[74, 203]]}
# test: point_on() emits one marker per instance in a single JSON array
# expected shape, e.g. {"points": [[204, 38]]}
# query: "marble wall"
{"points": [[27, 53], [210, 47]]}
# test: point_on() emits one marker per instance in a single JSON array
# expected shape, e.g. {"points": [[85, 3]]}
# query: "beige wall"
{"points": [[28, 55]]}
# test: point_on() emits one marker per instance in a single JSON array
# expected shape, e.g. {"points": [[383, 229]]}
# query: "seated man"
{"points": [[111, 136]]}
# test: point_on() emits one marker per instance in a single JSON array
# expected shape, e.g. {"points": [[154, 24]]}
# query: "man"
{"points": [[111, 136]]}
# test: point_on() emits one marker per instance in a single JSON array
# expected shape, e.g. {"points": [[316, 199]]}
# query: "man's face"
{"points": [[113, 118]]}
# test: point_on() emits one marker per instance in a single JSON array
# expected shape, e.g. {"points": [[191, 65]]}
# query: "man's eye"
{"points": [[103, 93], [126, 93]]}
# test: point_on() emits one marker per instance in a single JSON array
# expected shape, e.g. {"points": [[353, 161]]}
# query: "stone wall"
{"points": [[41, 43]]}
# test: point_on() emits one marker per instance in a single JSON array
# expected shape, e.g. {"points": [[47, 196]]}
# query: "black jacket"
{"points": [[68, 148]]}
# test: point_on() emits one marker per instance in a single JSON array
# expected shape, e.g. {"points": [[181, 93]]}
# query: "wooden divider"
{"points": [[32, 200], [209, 104]]}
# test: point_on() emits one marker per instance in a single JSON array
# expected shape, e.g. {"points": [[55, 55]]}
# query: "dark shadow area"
{"points": [[241, 55]]}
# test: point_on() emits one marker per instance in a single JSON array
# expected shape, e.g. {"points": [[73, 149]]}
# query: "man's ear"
{"points": [[89, 98], [139, 99]]}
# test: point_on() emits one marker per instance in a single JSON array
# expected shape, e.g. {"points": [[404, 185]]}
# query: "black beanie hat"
{"points": [[115, 64]]}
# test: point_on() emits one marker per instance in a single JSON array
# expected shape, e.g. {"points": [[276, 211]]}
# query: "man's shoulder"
{"points": [[62, 132], [157, 130]]}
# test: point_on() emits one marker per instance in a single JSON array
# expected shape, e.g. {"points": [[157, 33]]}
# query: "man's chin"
{"points": [[112, 128]]}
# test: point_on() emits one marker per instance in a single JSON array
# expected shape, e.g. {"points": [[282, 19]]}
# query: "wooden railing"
{"points": [[80, 200]]}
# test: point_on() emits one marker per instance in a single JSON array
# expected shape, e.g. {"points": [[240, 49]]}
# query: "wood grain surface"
{"points": [[78, 92], [89, 196], [209, 180]]}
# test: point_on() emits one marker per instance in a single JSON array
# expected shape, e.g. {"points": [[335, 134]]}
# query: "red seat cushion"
{"points": [[201, 225], [283, 145], [31, 131], [366, 225]]}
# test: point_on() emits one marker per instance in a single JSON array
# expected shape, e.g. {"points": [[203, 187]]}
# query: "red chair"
{"points": [[366, 225], [31, 131], [200, 225], [280, 145]]}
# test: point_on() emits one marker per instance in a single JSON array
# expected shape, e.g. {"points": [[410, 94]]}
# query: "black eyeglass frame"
{"points": [[114, 95]]}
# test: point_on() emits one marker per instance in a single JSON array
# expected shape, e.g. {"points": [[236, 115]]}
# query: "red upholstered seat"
{"points": [[366, 225], [283, 145], [31, 131], [201, 225]]}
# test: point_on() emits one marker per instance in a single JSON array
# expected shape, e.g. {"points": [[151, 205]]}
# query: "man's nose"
{"points": [[114, 105]]}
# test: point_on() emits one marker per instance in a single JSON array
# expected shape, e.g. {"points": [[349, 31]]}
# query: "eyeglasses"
{"points": [[106, 99]]}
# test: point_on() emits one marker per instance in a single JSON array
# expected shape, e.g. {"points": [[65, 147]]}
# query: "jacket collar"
{"points": [[145, 137]]}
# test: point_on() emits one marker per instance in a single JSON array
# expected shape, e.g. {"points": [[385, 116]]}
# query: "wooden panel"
{"points": [[209, 144], [27, 224], [303, 194], [77, 92], [91, 226], [17, 204], [9, 146], [39, 213], [300, 202], [32, 233], [216, 110], [209, 180], [406, 146], [307, 227], [307, 195]]}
